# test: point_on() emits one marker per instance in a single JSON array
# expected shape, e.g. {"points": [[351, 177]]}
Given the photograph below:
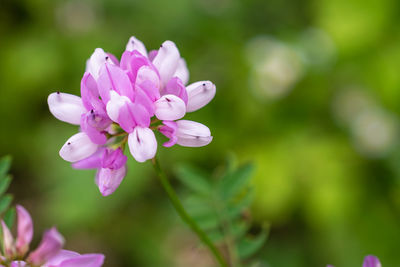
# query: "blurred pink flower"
{"points": [[369, 261], [48, 254], [122, 102]]}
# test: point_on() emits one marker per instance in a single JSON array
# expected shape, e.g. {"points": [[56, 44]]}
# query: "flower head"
{"points": [[123, 102], [49, 252]]}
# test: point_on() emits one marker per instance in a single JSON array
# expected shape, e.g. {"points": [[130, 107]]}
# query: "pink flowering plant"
{"points": [[124, 102], [49, 253]]}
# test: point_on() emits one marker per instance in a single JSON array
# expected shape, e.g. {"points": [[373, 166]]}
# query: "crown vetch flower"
{"points": [[49, 252], [123, 102], [369, 261]]}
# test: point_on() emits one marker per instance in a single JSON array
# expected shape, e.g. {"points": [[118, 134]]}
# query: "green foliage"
{"points": [[6, 212], [221, 208]]}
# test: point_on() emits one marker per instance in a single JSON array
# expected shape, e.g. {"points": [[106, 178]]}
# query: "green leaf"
{"points": [[250, 245], [198, 205], [232, 184], [4, 184], [9, 217], [194, 179], [216, 236], [207, 221], [5, 202], [5, 163], [237, 207], [239, 229]]}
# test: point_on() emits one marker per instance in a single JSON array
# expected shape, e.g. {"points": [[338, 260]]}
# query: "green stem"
{"points": [[185, 216]]}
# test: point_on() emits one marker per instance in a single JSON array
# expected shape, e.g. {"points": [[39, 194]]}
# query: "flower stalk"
{"points": [[185, 216]]}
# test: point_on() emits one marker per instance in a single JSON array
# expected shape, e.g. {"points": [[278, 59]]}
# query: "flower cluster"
{"points": [[122, 102], [49, 252], [369, 261]]}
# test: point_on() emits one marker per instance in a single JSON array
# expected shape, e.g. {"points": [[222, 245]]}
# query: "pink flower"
{"points": [[124, 102], [48, 254]]}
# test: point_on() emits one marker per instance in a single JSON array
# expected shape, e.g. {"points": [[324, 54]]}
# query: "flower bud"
{"points": [[78, 147], [142, 144], [169, 107], [199, 94], [66, 107], [192, 134], [108, 180]]}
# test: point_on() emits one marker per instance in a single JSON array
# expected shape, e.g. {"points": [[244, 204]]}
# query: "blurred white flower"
{"points": [[374, 130], [275, 67]]}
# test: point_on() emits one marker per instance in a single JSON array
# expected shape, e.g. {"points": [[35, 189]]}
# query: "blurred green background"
{"points": [[308, 90]]}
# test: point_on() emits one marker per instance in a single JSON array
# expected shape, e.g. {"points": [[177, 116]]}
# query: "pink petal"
{"points": [[199, 94], [176, 87], [86, 260], [147, 74], [8, 241], [182, 71], [66, 107], [61, 256], [143, 99], [49, 247], [113, 159], [166, 61], [132, 62], [90, 93], [192, 134], [151, 90], [169, 130], [91, 162], [142, 144], [169, 107], [78, 147], [371, 261], [135, 44], [152, 54], [89, 122], [131, 115], [114, 78], [108, 180], [25, 230]]}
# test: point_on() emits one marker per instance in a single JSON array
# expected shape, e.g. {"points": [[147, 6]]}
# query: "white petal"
{"points": [[146, 73], [192, 134], [182, 71], [199, 94], [78, 147], [114, 105], [169, 107], [166, 61], [8, 240], [135, 44], [142, 144], [66, 107], [96, 60]]}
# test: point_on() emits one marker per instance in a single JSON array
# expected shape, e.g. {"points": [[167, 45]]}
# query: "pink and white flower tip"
{"points": [[49, 252], [124, 102]]}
